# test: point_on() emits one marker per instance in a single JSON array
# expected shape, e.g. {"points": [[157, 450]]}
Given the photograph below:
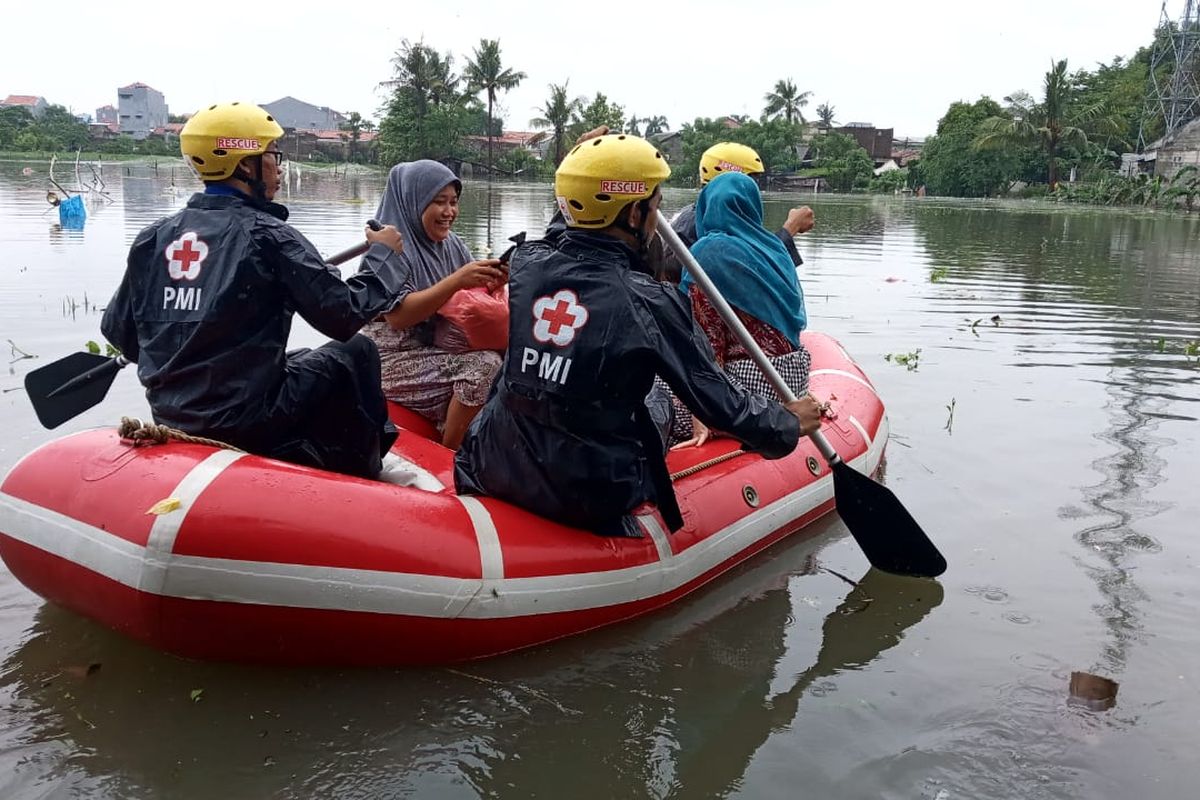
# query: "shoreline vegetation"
{"points": [[1063, 145]]}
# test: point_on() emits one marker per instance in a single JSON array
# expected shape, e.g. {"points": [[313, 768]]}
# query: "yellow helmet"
{"points": [[728, 157], [216, 138], [601, 176]]}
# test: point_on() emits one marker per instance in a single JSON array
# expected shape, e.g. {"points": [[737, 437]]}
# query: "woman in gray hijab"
{"points": [[421, 200]]}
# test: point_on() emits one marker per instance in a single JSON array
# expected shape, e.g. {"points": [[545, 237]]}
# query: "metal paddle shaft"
{"points": [[357, 250], [888, 535], [69, 386]]}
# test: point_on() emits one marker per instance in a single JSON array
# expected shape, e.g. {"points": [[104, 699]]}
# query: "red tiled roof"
{"points": [[21, 100]]}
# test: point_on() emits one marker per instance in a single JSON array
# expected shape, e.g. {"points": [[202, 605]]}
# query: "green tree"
{"points": [[426, 116], [657, 124], [557, 112], [1056, 125], [55, 130], [487, 73], [786, 101], [596, 113], [846, 165], [773, 140], [352, 131], [13, 121], [952, 165], [825, 114]]}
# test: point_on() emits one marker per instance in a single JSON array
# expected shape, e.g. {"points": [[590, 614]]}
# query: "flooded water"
{"points": [[1046, 439]]}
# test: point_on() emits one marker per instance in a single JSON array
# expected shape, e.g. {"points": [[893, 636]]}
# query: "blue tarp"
{"points": [[71, 213]]}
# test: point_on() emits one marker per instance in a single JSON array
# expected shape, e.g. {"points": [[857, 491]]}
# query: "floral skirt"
{"points": [[424, 378]]}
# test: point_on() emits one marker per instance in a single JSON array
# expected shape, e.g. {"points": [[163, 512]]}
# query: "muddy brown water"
{"points": [[1052, 454]]}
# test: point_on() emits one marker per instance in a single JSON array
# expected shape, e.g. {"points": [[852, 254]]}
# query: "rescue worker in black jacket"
{"points": [[731, 157], [566, 433], [206, 304]]}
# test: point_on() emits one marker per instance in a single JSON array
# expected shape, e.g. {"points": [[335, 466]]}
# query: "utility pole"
{"points": [[1175, 98]]}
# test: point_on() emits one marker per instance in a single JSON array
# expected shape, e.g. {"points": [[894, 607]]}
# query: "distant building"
{"points": [[331, 145], [670, 143], [36, 105], [509, 141], [140, 109], [1171, 153], [293, 114], [876, 141], [107, 114]]}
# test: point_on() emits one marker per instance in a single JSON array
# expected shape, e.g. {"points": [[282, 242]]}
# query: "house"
{"points": [[1173, 152], [891, 165], [324, 145], [140, 109], [509, 141], [297, 115], [36, 105], [107, 114], [799, 183], [1134, 164], [876, 141], [104, 130], [670, 143]]}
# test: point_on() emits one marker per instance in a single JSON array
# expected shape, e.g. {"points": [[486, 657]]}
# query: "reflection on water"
{"points": [[1063, 497], [674, 707]]}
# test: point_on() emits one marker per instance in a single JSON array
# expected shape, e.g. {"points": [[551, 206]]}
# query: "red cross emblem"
{"points": [[557, 317], [184, 257]]}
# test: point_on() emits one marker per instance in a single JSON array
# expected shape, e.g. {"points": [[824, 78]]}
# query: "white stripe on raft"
{"points": [[491, 557], [374, 591], [161, 541], [651, 526], [841, 373]]}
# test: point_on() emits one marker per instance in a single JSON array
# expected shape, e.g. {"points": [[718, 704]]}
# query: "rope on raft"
{"points": [[148, 433], [692, 470], [142, 434]]}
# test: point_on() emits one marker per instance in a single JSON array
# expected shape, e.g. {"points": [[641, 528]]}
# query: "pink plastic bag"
{"points": [[473, 319]]}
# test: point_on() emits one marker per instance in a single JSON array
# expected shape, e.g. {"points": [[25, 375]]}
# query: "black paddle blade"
{"points": [[888, 535], [70, 386]]}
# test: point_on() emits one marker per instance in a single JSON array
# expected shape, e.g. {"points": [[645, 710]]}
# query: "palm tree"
{"points": [[656, 124], [352, 131], [786, 101], [825, 114], [424, 74], [1051, 125], [556, 115], [486, 73]]}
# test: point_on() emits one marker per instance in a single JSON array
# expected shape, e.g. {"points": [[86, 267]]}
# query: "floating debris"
{"points": [[1092, 691], [909, 361]]}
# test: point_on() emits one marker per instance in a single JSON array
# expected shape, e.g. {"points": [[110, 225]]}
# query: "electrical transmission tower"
{"points": [[1175, 98]]}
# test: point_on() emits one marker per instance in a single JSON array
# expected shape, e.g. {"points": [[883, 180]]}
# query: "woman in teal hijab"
{"points": [[756, 275]]}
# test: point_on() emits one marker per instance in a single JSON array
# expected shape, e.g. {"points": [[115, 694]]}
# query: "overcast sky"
{"points": [[893, 64]]}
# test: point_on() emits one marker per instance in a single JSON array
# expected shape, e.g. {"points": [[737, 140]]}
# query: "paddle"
{"points": [[66, 388], [888, 535]]}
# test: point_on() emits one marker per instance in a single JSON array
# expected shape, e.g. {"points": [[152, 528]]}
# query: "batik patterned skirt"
{"points": [[424, 378]]}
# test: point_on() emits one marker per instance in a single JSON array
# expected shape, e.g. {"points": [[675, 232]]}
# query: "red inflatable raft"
{"points": [[264, 561]]}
